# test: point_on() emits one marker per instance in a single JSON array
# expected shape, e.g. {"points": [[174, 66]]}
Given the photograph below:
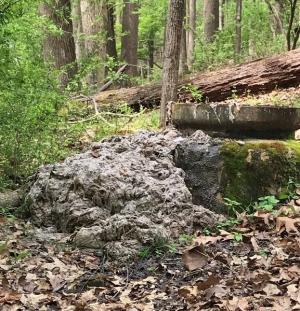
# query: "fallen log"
{"points": [[262, 75]]}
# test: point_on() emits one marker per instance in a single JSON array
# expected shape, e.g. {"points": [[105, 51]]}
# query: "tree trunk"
{"points": [[211, 19], [93, 24], [183, 67], [191, 30], [151, 49], [293, 33], [263, 75], [276, 16], [111, 48], [238, 34], [222, 14], [77, 29], [171, 57], [60, 49], [129, 42]]}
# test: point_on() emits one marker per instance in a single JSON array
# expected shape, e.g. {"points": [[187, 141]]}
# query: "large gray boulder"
{"points": [[122, 193]]}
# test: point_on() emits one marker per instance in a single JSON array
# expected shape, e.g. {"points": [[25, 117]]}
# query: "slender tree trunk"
{"points": [[151, 49], [276, 16], [77, 29], [191, 29], [183, 67], [211, 19], [130, 22], [238, 34], [171, 56], [60, 49], [222, 14], [111, 48], [293, 35]]}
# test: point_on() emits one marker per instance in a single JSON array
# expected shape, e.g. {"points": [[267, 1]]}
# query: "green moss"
{"points": [[258, 168]]}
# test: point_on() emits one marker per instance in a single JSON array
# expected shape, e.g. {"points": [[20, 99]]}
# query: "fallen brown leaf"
{"points": [[195, 258]]}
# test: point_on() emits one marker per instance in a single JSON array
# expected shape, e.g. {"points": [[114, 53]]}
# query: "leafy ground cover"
{"points": [[247, 263]]}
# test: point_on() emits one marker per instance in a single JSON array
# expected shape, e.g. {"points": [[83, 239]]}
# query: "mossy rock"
{"points": [[239, 170], [257, 168]]}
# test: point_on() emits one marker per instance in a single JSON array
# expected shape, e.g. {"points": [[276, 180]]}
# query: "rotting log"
{"points": [[262, 75]]}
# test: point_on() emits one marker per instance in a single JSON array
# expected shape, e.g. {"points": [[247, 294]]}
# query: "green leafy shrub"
{"points": [[29, 99]]}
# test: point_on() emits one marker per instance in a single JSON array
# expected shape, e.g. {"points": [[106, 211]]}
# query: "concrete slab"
{"points": [[236, 118]]}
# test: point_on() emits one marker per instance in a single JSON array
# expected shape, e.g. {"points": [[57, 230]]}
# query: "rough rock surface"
{"points": [[121, 194], [202, 163]]}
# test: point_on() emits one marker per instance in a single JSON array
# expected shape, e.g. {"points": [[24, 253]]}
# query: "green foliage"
{"points": [[238, 237], [266, 203], [232, 206], [257, 37], [29, 98], [186, 239], [227, 224], [290, 192], [194, 92], [157, 248], [21, 255]]}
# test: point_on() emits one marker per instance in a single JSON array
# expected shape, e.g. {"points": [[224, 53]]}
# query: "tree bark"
{"points": [[211, 19], [93, 25], [129, 42], [151, 49], [293, 32], [111, 48], [276, 16], [263, 75], [238, 32], [222, 14], [191, 30], [60, 49], [171, 57], [183, 66], [77, 29]]}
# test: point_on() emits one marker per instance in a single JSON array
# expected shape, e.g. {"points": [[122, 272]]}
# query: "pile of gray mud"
{"points": [[123, 192]]}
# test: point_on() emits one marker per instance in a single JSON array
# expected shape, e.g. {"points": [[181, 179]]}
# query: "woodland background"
{"points": [[51, 51]]}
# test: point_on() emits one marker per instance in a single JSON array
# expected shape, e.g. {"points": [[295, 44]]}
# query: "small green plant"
{"points": [[159, 247], [232, 205], [289, 193], [263, 252], [238, 237], [207, 231], [22, 255], [186, 239], [7, 212], [193, 90], [266, 203], [227, 224]]}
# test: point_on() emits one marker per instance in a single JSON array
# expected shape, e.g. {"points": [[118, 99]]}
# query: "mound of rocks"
{"points": [[122, 193]]}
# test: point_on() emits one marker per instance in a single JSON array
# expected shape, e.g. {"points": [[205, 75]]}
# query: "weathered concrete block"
{"points": [[251, 120]]}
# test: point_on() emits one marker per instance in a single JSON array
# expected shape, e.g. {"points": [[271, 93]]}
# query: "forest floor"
{"points": [[249, 263], [289, 97]]}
